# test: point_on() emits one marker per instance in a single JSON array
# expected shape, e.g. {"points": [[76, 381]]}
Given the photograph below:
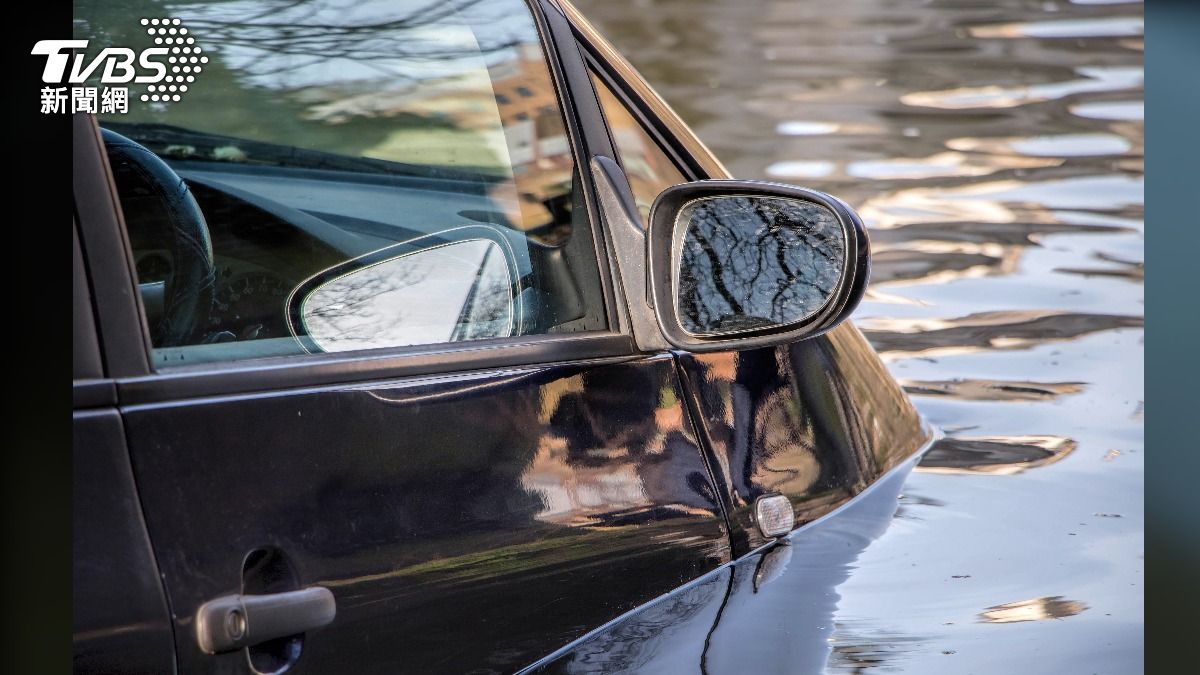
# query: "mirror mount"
{"points": [[627, 237], [778, 231]]}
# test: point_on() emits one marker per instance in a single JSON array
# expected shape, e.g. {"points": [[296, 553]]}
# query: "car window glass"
{"points": [[290, 143], [648, 168]]}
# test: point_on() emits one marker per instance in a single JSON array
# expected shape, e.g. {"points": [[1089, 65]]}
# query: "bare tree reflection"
{"points": [[461, 291], [750, 262], [346, 313], [488, 310]]}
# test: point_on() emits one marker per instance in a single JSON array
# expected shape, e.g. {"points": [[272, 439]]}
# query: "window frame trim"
{"points": [[621, 91], [118, 304], [674, 136], [107, 255]]}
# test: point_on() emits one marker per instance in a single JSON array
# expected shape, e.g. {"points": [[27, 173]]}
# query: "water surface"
{"points": [[995, 149]]}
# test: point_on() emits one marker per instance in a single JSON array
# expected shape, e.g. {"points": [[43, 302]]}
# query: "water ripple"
{"points": [[1017, 329], [1119, 26], [1094, 79]]}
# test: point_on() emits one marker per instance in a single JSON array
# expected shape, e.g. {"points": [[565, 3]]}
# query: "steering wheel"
{"points": [[188, 292]]}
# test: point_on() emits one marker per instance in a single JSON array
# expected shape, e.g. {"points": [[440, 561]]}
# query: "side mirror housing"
{"points": [[739, 264]]}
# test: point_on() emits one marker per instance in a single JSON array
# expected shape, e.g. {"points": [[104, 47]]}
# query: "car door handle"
{"points": [[231, 622]]}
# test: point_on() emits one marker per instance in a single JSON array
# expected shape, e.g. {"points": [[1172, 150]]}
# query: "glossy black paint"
{"points": [[120, 623], [770, 612], [817, 421], [866, 422], [463, 522]]}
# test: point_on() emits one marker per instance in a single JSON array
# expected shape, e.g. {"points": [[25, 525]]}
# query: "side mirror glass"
{"points": [[738, 264], [463, 290], [748, 263]]}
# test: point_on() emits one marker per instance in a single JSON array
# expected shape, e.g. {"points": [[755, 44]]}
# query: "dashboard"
{"points": [[273, 228]]}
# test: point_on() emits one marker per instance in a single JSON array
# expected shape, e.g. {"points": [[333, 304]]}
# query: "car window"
{"points": [[326, 175], [648, 168]]}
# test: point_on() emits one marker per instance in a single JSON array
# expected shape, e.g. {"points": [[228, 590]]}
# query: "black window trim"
{"points": [[90, 389], [306, 371], [86, 363], [128, 353], [107, 255], [689, 170], [588, 135], [690, 156]]}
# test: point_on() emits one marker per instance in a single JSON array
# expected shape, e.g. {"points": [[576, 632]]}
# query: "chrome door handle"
{"points": [[231, 622]]}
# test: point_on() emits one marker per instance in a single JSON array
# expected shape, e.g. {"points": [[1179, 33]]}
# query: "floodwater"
{"points": [[995, 149]]}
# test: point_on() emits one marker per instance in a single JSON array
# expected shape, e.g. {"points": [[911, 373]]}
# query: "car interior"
{"points": [[275, 217]]}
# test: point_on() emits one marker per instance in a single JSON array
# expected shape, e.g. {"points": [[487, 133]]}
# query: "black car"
{"points": [[424, 337]]}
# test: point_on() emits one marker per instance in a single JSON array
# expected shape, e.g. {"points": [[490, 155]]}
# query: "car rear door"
{"points": [[470, 506]]}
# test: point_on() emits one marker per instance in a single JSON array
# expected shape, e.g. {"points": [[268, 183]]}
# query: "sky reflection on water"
{"points": [[996, 152]]}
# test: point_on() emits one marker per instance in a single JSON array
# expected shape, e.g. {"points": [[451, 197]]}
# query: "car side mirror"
{"points": [[738, 264]]}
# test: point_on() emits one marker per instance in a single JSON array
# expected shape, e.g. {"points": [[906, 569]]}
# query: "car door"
{"points": [[466, 503]]}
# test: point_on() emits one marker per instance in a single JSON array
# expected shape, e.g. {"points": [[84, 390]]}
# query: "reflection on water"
{"points": [[1064, 145], [1037, 609], [995, 151], [1134, 270], [1112, 110], [1091, 79], [986, 331], [1001, 456], [861, 647], [940, 164], [992, 390], [1067, 28]]}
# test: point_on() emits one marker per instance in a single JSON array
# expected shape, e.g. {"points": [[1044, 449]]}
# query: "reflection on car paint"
{"points": [[540, 504], [769, 612], [816, 421]]}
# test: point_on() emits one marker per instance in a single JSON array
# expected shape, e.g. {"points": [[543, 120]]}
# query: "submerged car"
{"points": [[425, 337]]}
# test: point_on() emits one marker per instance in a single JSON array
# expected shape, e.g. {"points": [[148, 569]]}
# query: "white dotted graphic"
{"points": [[170, 33]]}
